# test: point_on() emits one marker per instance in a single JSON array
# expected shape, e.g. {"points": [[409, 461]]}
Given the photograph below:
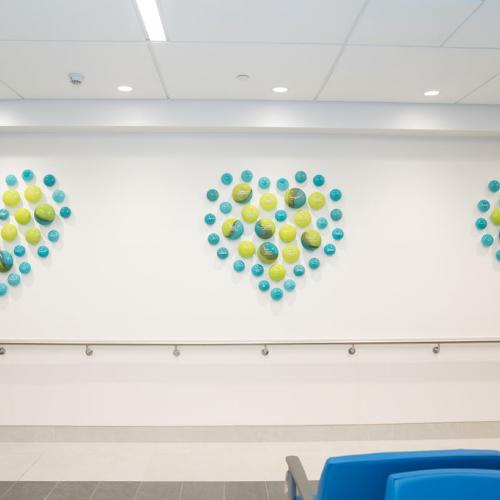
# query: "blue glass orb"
{"points": [[335, 194], [277, 294], [487, 240], [318, 180], [226, 179], [212, 195], [4, 214], [280, 215], [28, 175], [213, 239], [264, 183], [299, 270], [282, 184], [481, 223], [336, 214], [3, 289], [329, 249], [53, 236], [225, 207], [239, 266], [19, 250], [210, 219], [301, 177], [264, 285], [43, 251], [314, 263], [11, 180], [494, 186], [497, 255], [289, 285], [6, 261], [257, 270], [483, 205], [24, 268], [65, 212], [58, 196], [246, 176], [49, 180], [321, 223], [222, 253], [337, 234], [13, 279]]}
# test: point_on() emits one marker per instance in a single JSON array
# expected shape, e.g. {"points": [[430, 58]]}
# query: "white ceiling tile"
{"points": [[481, 30], [70, 20], [208, 71], [6, 92], [40, 69], [293, 21], [411, 22], [403, 74], [487, 94]]}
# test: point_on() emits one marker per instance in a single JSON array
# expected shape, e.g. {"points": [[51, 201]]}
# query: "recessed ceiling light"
{"points": [[280, 90], [124, 88], [242, 77], [152, 20], [431, 93]]}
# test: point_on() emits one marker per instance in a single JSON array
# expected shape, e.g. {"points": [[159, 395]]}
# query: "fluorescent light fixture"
{"points": [[431, 93], [124, 88], [151, 19], [280, 90]]}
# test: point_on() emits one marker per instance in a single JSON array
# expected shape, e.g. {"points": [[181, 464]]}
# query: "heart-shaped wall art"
{"points": [[29, 220], [489, 221], [276, 230]]}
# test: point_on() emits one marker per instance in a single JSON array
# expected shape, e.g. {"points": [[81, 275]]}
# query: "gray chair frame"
{"points": [[296, 480]]}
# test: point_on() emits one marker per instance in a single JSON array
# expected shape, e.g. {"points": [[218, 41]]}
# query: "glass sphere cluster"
{"points": [[488, 222]]}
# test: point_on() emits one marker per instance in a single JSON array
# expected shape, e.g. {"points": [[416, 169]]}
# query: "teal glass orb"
{"points": [[494, 186], [329, 249], [280, 215], [481, 223], [11, 180], [225, 207], [49, 180], [497, 255], [264, 183], [222, 253], [58, 196], [19, 250], [314, 263], [246, 176], [483, 205], [282, 184], [6, 261], [43, 251], [289, 285], [257, 270], [226, 179], [335, 194], [239, 266], [210, 219], [336, 214], [318, 180], [212, 195], [299, 270], [53, 236], [337, 234], [24, 268], [13, 279], [300, 177], [28, 175], [4, 214], [276, 294], [487, 240], [264, 285], [65, 212], [213, 239], [3, 290], [321, 223]]}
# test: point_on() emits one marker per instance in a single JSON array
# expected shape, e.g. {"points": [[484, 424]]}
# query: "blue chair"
{"points": [[364, 477], [444, 484]]}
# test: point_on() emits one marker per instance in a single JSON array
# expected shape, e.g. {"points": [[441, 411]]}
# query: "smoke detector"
{"points": [[76, 78]]}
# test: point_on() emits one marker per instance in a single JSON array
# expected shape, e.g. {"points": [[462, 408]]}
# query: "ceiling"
{"points": [[325, 50]]}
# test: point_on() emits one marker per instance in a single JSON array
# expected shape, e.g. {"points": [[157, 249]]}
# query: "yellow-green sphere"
{"points": [[33, 236], [11, 197], [277, 272], [316, 200], [302, 218], [9, 232], [495, 216], [246, 249], [287, 233], [33, 194], [268, 201], [291, 253], [22, 216], [250, 213], [242, 192]]}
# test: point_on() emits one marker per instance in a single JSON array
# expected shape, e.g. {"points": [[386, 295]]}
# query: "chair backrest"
{"points": [[364, 477], [444, 484]]}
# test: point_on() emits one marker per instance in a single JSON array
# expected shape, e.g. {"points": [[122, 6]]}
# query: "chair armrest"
{"points": [[297, 480]]}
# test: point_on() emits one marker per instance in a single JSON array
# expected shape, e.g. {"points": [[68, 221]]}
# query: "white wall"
{"points": [[134, 263]]}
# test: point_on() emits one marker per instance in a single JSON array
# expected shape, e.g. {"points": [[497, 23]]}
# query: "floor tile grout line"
{"points": [[8, 489], [181, 489], [267, 490], [138, 489], [95, 489], [47, 497]]}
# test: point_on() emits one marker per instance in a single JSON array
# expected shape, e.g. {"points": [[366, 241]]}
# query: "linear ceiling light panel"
{"points": [[151, 19]]}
